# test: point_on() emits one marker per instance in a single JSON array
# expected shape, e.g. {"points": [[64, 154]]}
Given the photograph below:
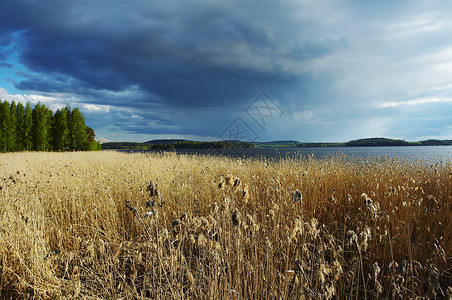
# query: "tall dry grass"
{"points": [[94, 226]]}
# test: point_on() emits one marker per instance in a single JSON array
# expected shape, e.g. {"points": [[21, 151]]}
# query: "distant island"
{"points": [[172, 144]]}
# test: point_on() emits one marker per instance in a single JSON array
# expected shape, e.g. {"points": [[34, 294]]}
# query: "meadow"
{"points": [[109, 225]]}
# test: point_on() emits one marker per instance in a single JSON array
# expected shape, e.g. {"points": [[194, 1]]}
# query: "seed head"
{"points": [[228, 179], [131, 208], [350, 237], [175, 222], [245, 193], [367, 200], [252, 223], [296, 196], [221, 184], [150, 203], [237, 182], [376, 271], [152, 188], [202, 240], [236, 218]]}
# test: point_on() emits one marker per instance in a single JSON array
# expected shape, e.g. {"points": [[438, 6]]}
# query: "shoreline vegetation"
{"points": [[172, 144], [110, 225]]}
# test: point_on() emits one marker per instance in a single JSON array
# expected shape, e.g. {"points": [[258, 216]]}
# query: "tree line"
{"points": [[177, 145], [23, 128], [212, 145]]}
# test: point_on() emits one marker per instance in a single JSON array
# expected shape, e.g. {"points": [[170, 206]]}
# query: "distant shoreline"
{"points": [[187, 144]]}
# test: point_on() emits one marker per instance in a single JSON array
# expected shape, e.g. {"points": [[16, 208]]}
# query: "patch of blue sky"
{"points": [[10, 67]]}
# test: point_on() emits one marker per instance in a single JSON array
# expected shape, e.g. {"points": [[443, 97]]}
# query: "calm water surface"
{"points": [[427, 153]]}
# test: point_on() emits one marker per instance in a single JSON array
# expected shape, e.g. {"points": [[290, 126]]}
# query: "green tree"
{"points": [[41, 126], [13, 135], [60, 130], [27, 130], [5, 132], [77, 130], [50, 122], [20, 120], [93, 145]]}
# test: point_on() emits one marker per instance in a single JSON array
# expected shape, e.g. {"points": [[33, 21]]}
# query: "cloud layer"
{"points": [[339, 70]]}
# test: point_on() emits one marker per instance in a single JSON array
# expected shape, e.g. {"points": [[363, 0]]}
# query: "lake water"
{"points": [[427, 153]]}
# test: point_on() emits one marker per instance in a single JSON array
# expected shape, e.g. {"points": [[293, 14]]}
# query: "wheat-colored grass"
{"points": [[91, 225]]}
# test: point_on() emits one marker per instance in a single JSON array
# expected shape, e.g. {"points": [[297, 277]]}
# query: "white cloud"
{"points": [[412, 102], [416, 24], [53, 103], [103, 140], [87, 107]]}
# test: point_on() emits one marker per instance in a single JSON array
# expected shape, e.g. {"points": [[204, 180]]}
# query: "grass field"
{"points": [[109, 225]]}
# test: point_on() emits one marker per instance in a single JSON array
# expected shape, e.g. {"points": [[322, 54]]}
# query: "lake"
{"points": [[427, 153]]}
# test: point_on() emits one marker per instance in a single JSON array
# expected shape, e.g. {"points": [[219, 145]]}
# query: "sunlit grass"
{"points": [[93, 225]]}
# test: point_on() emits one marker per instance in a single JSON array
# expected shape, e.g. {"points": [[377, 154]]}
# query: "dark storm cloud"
{"points": [[184, 54]]}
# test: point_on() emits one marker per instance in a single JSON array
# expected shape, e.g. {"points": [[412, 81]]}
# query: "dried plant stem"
{"points": [[362, 269]]}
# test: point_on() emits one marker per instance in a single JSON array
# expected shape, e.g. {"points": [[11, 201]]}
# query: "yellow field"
{"points": [[90, 225]]}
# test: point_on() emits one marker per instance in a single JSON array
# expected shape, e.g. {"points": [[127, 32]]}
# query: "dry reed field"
{"points": [[110, 225]]}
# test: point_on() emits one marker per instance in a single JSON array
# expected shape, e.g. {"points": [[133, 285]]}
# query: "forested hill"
{"points": [[23, 128], [377, 142], [395, 142]]}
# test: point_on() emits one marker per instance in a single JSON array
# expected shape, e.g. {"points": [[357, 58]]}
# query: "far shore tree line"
{"points": [[176, 145], [23, 128]]}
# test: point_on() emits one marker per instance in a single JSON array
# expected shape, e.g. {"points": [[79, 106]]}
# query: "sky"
{"points": [[307, 70]]}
